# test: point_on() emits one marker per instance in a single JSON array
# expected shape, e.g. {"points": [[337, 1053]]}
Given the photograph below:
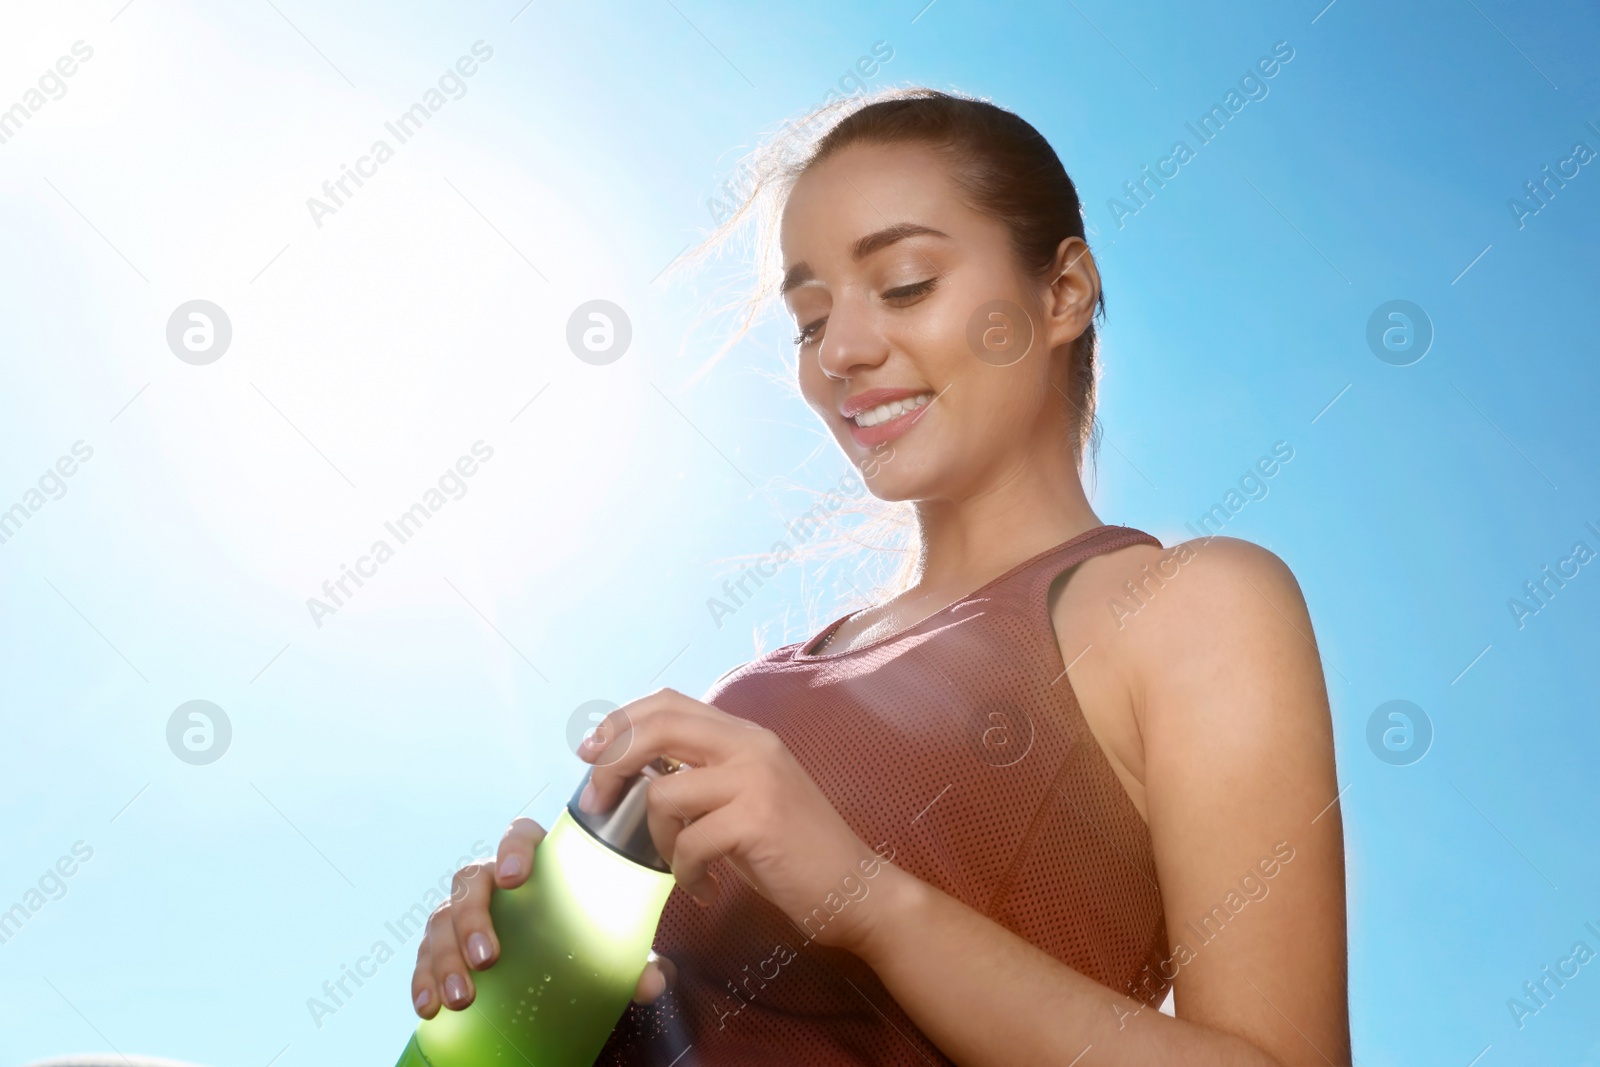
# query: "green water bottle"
{"points": [[574, 939]]}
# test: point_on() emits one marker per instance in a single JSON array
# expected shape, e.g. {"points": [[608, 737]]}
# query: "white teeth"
{"points": [[885, 412]]}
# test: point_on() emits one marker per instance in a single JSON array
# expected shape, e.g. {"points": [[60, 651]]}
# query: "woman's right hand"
{"points": [[460, 939]]}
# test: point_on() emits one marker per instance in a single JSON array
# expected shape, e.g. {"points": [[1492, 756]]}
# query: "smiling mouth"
{"points": [[893, 409]]}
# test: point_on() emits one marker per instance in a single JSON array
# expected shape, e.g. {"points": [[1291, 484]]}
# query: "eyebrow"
{"points": [[800, 273]]}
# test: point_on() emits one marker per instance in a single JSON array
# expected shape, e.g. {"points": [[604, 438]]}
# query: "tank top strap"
{"points": [[1023, 589], [1029, 585]]}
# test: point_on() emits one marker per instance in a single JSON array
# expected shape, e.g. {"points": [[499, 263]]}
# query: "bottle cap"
{"points": [[625, 829]]}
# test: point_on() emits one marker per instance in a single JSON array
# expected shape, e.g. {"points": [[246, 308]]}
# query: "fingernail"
{"points": [[455, 989], [510, 867], [424, 998], [478, 949], [656, 986], [586, 799]]}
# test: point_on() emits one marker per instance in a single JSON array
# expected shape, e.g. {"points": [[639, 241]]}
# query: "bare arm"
{"points": [[986, 996], [1237, 763]]}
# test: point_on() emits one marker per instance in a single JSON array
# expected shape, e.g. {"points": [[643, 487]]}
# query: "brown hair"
{"points": [[1003, 167]]}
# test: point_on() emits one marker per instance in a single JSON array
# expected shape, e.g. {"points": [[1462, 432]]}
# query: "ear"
{"points": [[1073, 293]]}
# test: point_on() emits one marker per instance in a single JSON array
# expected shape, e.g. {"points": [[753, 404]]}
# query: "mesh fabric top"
{"points": [[959, 745]]}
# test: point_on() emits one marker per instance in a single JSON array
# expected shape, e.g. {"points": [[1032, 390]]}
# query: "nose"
{"points": [[852, 341]]}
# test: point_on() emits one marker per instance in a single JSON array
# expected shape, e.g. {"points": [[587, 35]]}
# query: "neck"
{"points": [[964, 543]]}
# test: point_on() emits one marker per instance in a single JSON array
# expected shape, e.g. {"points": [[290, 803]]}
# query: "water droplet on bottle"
{"points": [[569, 955], [547, 978], [574, 1000]]}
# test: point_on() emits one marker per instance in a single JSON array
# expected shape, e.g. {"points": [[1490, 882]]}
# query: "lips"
{"points": [[855, 405], [883, 432]]}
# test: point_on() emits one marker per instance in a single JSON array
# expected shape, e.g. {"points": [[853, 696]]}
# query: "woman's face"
{"points": [[903, 295]]}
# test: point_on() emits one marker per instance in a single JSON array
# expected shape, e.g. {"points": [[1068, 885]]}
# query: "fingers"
{"points": [[674, 801], [714, 837], [669, 972], [514, 862], [660, 975], [459, 937], [666, 722], [442, 971], [424, 992], [469, 914]]}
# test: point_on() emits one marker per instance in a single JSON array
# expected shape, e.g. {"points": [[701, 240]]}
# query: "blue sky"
{"points": [[372, 348]]}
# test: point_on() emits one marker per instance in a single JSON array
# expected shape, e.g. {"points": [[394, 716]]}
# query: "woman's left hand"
{"points": [[745, 799]]}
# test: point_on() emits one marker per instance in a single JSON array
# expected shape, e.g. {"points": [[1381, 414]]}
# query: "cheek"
{"points": [[969, 336], [1005, 403], [937, 338]]}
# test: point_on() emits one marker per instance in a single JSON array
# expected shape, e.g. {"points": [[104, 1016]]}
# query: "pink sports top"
{"points": [[959, 745]]}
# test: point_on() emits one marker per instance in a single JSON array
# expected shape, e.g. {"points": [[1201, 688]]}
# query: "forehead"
{"points": [[863, 188]]}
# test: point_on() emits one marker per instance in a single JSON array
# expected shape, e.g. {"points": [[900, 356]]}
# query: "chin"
{"points": [[892, 486]]}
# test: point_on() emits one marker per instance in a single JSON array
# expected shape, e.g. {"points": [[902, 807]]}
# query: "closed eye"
{"points": [[904, 292], [911, 292], [809, 333]]}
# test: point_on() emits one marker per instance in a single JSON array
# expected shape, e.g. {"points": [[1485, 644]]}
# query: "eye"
{"points": [[903, 292], [809, 333], [911, 292]]}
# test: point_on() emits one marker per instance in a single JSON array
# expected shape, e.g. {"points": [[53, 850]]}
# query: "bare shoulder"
{"points": [[1143, 591], [1210, 612], [1227, 571], [1230, 559], [1151, 606], [1210, 605]]}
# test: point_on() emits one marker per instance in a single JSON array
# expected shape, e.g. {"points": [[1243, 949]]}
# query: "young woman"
{"points": [[997, 817]]}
